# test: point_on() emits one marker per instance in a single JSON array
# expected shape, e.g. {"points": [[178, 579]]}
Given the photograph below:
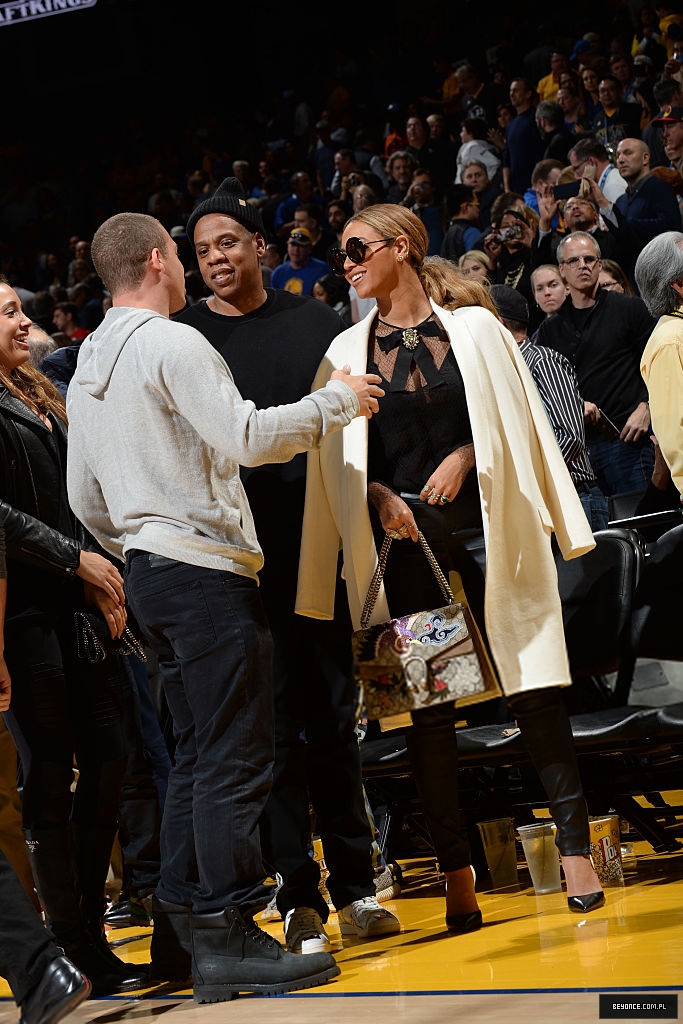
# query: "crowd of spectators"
{"points": [[540, 167], [485, 121], [502, 153]]}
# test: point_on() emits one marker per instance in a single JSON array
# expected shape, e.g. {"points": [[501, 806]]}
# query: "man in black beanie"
{"points": [[273, 342]]}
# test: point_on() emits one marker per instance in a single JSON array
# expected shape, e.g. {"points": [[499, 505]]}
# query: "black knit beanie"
{"points": [[230, 199]]}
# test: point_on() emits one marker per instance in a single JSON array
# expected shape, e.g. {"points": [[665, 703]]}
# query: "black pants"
{"points": [[26, 946], [317, 760], [452, 533], [64, 709], [213, 645], [140, 806]]}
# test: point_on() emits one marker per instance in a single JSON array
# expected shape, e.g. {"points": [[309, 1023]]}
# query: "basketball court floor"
{"points": [[533, 962]]}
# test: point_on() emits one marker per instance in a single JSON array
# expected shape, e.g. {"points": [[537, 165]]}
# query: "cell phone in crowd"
{"points": [[606, 426], [570, 188], [514, 231]]}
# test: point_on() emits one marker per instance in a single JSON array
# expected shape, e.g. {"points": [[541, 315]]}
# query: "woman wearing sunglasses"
{"points": [[461, 444]]}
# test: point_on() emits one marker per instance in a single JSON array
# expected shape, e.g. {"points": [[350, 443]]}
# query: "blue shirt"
{"points": [[523, 149], [299, 280]]}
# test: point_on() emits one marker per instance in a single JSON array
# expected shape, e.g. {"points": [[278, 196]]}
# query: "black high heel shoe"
{"points": [[460, 924], [583, 904]]}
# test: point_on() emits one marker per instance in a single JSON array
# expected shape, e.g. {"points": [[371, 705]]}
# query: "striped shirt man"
{"points": [[558, 387]]}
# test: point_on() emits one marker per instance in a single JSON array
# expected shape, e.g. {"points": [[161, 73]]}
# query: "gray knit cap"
{"points": [[230, 199]]}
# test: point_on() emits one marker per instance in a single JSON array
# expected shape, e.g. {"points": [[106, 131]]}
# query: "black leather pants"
{"points": [[547, 736]]}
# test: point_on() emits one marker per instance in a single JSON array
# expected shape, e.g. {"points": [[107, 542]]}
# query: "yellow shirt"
{"points": [[662, 370], [668, 41], [547, 88]]}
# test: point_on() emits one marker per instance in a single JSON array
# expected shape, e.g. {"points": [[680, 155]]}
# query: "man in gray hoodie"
{"points": [[158, 431]]}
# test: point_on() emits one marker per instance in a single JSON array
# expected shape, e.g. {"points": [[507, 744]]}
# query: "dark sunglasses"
{"points": [[356, 251]]}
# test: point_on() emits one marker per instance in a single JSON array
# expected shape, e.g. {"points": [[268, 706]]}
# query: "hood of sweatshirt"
{"points": [[100, 351]]}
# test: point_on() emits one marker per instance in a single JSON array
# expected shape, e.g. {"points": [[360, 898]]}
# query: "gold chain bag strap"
{"points": [[94, 642], [418, 660]]}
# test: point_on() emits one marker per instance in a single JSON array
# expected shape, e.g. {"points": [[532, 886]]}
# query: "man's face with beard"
{"points": [[579, 214]]}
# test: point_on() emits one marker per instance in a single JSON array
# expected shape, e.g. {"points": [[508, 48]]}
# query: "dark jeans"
{"points": [[64, 707], [212, 641], [594, 505], [153, 740], [316, 757], [26, 945], [453, 536], [621, 466], [140, 806]]}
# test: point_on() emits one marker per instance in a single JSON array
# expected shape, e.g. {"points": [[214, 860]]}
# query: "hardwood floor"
{"points": [[533, 961]]}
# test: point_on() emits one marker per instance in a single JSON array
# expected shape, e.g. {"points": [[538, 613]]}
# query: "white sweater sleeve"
{"points": [[198, 386]]}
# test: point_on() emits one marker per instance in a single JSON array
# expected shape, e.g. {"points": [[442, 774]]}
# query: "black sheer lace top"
{"points": [[423, 416]]}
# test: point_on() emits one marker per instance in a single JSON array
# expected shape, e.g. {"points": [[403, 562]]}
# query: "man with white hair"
{"points": [[603, 335], [659, 276]]}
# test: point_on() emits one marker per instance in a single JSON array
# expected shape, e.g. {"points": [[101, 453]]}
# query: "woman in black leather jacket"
{"points": [[65, 711]]}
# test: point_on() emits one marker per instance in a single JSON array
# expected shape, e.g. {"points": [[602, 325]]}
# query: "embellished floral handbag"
{"points": [[418, 660]]}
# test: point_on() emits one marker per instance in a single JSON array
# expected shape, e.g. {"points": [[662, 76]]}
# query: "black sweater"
{"points": [[273, 354], [604, 345]]}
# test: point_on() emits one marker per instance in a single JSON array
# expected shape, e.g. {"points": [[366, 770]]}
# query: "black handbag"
{"points": [[94, 642], [419, 660]]}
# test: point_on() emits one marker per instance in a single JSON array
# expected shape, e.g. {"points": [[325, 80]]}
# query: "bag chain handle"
{"points": [[376, 582]]}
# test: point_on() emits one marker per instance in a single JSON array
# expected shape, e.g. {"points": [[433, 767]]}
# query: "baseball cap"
{"points": [[669, 115], [302, 236]]}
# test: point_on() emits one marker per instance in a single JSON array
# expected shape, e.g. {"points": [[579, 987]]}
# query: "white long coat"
{"points": [[525, 488]]}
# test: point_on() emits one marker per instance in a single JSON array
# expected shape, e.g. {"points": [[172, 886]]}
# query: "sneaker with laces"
{"points": [[388, 883], [305, 932], [366, 918]]}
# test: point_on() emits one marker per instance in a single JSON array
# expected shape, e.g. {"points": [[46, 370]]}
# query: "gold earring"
{"points": [[400, 259]]}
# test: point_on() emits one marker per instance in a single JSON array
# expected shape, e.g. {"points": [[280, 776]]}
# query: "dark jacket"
{"points": [[611, 242], [42, 535], [557, 143], [644, 212], [60, 366], [458, 239]]}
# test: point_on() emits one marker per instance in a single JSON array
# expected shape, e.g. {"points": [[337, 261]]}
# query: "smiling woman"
{"points": [[438, 458], [63, 709], [14, 325]]}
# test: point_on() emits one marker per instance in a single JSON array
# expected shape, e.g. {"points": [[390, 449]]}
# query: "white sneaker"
{"points": [[367, 918], [387, 885], [305, 932]]}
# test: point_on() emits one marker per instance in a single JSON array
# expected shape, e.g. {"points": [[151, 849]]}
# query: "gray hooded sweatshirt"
{"points": [[157, 433]]}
